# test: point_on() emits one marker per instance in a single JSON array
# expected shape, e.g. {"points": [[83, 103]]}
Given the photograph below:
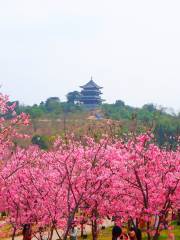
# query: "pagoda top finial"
{"points": [[91, 78]]}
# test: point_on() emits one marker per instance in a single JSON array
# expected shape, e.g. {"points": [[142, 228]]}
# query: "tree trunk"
{"points": [[67, 231], [178, 217], [69, 223], [14, 233], [51, 233], [94, 230], [60, 238], [137, 223], [148, 229], [82, 228], [129, 224], [156, 236]]}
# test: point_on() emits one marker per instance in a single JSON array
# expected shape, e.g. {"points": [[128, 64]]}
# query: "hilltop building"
{"points": [[91, 95]]}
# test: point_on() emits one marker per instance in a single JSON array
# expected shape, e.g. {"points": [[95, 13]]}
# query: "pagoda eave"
{"points": [[90, 88]]}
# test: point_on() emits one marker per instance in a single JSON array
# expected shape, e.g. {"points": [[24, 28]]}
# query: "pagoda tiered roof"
{"points": [[91, 84]]}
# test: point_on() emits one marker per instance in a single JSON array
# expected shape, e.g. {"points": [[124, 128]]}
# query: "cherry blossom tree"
{"points": [[9, 133], [149, 179]]}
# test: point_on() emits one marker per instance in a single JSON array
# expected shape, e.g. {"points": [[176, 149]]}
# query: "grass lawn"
{"points": [[106, 234]]}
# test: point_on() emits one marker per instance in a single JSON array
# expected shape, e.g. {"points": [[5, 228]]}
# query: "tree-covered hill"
{"points": [[165, 126]]}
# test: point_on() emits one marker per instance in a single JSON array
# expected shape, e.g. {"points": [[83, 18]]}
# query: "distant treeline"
{"points": [[165, 126]]}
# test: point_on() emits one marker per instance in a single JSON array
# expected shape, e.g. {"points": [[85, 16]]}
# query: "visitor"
{"points": [[170, 233], [116, 232], [73, 233], [138, 233], [124, 235], [132, 234], [27, 233], [84, 233]]}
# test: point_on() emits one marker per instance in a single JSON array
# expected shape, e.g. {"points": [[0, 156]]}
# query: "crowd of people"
{"points": [[119, 233], [134, 233]]}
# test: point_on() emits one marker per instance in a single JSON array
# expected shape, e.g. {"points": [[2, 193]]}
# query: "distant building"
{"points": [[91, 95]]}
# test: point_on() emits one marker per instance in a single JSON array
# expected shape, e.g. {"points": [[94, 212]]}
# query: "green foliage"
{"points": [[51, 108], [119, 103], [117, 112], [34, 111], [166, 127], [53, 104], [73, 97]]}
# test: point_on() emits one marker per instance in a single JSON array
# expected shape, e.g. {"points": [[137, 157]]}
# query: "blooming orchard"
{"points": [[51, 190]]}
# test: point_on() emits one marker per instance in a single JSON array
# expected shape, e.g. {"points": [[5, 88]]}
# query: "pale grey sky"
{"points": [[130, 47]]}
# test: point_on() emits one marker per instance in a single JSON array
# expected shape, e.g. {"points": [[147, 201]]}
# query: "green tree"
{"points": [[73, 97], [150, 107], [120, 103], [52, 104]]}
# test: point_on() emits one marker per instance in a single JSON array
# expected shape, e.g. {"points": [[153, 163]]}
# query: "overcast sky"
{"points": [[130, 47]]}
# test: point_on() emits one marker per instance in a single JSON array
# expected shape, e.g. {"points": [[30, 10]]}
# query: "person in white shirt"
{"points": [[73, 233]]}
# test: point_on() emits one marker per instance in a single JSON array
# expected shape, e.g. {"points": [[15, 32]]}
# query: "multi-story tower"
{"points": [[90, 94]]}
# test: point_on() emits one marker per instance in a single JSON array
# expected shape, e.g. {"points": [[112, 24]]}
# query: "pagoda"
{"points": [[90, 94]]}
